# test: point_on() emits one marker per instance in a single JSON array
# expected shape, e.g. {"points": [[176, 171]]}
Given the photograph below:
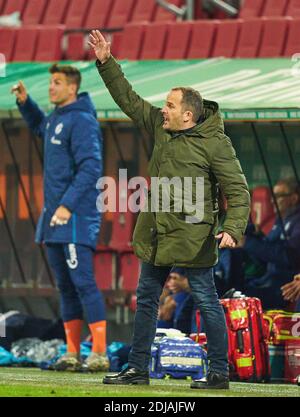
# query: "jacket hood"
{"points": [[210, 123], [82, 104]]}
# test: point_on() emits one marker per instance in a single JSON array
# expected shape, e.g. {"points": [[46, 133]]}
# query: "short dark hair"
{"points": [[292, 184], [72, 74], [191, 101]]}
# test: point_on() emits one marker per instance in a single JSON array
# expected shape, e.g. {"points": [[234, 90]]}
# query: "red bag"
{"points": [[284, 326], [292, 361], [248, 352]]}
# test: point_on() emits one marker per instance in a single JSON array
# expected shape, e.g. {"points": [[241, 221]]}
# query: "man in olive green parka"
{"points": [[189, 143]]}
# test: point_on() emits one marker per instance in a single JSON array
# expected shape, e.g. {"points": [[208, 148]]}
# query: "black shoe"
{"points": [[213, 381], [127, 377]]}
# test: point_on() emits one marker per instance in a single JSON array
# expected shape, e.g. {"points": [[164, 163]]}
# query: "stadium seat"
{"points": [[129, 271], [199, 13], [262, 210], [226, 38], [120, 13], [274, 37], [274, 8], [178, 40], [76, 14], [34, 12], [98, 14], [49, 44], [7, 42], [12, 6], [154, 41], [26, 42], [293, 8], [132, 40], [249, 39], [122, 230], [163, 15], [251, 8], [292, 44], [55, 12], [75, 47], [144, 11], [105, 267], [202, 38], [2, 2]]}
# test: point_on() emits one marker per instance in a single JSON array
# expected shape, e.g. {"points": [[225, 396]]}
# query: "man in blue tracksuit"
{"points": [[69, 224], [279, 251]]}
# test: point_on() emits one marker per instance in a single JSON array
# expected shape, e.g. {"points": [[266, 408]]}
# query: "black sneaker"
{"points": [[213, 381], [127, 377]]}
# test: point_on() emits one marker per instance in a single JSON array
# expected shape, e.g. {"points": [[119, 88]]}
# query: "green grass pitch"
{"points": [[33, 382]]}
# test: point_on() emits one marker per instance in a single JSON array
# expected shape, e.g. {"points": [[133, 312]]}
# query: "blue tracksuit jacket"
{"points": [[281, 256], [72, 166]]}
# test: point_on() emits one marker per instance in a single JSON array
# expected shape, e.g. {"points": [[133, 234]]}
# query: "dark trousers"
{"points": [[201, 281]]}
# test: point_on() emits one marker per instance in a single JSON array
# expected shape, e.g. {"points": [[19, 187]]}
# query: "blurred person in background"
{"points": [[176, 309], [69, 224], [277, 253], [291, 292]]}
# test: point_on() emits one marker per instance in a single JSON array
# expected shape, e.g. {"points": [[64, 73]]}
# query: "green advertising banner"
{"points": [[246, 89]]}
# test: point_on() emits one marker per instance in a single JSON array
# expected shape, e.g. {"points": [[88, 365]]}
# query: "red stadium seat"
{"points": [[251, 8], [262, 209], [26, 42], [202, 38], [7, 42], [98, 14], [76, 14], [154, 41], [120, 13], [178, 40], [122, 229], [105, 266], [129, 272], [2, 3], [55, 12], [12, 6], [293, 9], [274, 8], [76, 47], [292, 45], [274, 37], [226, 38], [144, 11], [34, 12], [49, 45], [132, 40], [249, 39], [163, 15]]}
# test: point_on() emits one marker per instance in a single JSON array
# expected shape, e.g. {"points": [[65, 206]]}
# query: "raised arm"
{"points": [[30, 111], [138, 109]]}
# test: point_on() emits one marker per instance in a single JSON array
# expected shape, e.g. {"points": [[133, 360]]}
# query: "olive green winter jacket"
{"points": [[204, 151]]}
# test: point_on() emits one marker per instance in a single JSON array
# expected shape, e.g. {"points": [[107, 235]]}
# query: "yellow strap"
{"points": [[244, 362], [238, 314]]}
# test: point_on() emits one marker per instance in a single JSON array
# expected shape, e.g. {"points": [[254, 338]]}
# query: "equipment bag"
{"points": [[283, 326], [177, 358], [247, 339]]}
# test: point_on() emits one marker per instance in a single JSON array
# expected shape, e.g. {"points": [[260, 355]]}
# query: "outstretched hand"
{"points": [[100, 45]]}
